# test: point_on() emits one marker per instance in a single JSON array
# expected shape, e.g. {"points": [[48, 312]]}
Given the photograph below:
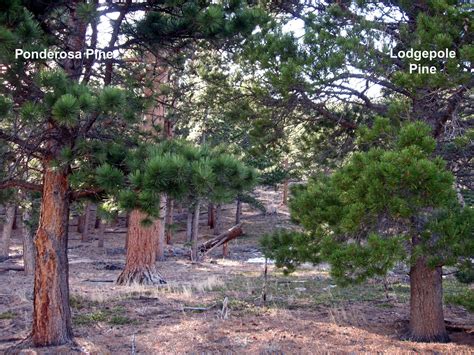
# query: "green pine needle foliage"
{"points": [[364, 216]]}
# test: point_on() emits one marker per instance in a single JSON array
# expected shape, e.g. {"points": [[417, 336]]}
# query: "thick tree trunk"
{"points": [[210, 215], [189, 226], [426, 304], [141, 253], [169, 220], [238, 211], [195, 233], [89, 216], [160, 228], [28, 244], [101, 233], [7, 232], [218, 220], [51, 313]]}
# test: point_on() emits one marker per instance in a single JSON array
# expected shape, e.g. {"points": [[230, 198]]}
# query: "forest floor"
{"points": [[216, 306]]}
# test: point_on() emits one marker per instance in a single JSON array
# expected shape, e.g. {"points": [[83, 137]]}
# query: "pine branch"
{"points": [[8, 184]]}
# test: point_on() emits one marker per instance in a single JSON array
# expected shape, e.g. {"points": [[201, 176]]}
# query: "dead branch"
{"points": [[222, 238]]}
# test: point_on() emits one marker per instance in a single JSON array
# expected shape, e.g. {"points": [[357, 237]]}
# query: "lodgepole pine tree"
{"points": [[345, 69], [392, 201]]}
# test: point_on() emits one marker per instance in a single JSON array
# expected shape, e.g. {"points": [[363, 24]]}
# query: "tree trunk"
{"points": [[218, 220], [15, 221], [101, 233], [141, 253], [7, 232], [238, 211], [284, 199], [169, 220], [426, 304], [28, 244], [210, 216], [195, 233], [89, 217], [160, 228], [80, 223], [51, 313], [189, 226], [97, 221]]}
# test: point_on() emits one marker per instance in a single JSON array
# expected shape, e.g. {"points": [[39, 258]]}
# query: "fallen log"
{"points": [[5, 268], [221, 239]]}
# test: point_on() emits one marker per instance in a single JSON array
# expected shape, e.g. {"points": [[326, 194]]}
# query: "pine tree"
{"points": [[391, 202], [57, 124]]}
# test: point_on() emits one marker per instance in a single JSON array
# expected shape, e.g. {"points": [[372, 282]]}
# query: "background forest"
{"points": [[238, 176]]}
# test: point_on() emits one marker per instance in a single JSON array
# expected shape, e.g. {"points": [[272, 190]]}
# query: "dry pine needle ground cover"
{"points": [[216, 306]]}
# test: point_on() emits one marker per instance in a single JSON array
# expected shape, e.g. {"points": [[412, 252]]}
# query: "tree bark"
{"points": [[426, 304], [80, 223], [169, 220], [238, 211], [221, 239], [210, 216], [7, 232], [218, 220], [51, 313], [101, 233], [89, 216], [189, 226], [195, 232], [160, 227], [284, 199], [28, 244], [141, 253]]}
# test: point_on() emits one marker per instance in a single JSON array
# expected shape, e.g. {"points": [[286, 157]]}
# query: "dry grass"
{"points": [[304, 313]]}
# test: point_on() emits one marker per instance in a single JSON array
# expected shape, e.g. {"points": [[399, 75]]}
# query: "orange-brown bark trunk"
{"points": [[51, 313], [141, 253], [426, 304]]}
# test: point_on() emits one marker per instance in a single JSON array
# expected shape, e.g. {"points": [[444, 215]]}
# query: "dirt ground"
{"points": [[216, 306]]}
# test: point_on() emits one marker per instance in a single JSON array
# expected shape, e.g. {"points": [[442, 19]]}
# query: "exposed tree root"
{"points": [[144, 275]]}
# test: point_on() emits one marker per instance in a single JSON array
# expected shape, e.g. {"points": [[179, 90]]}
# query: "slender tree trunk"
{"points": [[51, 313], [169, 220], [210, 215], [88, 218], [15, 220], [195, 233], [218, 220], [238, 211], [101, 233], [80, 223], [426, 304], [160, 227], [141, 253], [189, 226], [97, 221], [7, 232], [285, 185], [28, 244]]}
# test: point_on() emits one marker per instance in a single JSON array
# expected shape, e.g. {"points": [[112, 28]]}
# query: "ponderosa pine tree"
{"points": [[392, 201], [54, 122]]}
